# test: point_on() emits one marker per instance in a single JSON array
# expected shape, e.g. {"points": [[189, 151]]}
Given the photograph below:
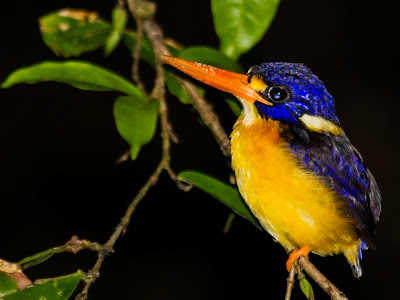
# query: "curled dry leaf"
{"points": [[14, 271], [7, 267]]}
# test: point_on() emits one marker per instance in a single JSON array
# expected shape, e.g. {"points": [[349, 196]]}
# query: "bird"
{"points": [[295, 167]]}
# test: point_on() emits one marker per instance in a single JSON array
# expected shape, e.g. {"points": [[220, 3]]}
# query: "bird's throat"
{"points": [[249, 113]]}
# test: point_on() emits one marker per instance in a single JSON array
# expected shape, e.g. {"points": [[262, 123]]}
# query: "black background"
{"points": [[58, 146]]}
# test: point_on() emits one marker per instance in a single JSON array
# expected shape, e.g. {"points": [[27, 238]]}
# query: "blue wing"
{"points": [[340, 165]]}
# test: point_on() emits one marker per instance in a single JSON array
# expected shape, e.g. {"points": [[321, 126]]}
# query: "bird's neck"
{"points": [[257, 129], [249, 113], [250, 120]]}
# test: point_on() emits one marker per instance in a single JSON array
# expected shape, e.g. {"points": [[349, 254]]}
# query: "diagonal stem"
{"points": [[290, 283], [120, 229], [321, 280], [155, 37], [138, 46]]}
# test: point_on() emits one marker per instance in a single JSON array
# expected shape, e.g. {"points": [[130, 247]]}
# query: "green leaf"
{"points": [[210, 56], [119, 20], [146, 52], [59, 288], [175, 88], [136, 119], [221, 191], [38, 258], [80, 74], [240, 24], [234, 106], [7, 284], [112, 42], [71, 32], [306, 288]]}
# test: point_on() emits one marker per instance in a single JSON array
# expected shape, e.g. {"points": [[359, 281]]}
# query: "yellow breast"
{"points": [[292, 204]]}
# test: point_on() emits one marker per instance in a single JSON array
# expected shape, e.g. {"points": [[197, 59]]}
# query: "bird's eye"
{"points": [[278, 94]]}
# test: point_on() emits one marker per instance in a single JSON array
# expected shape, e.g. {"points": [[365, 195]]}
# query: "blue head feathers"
{"points": [[306, 93]]}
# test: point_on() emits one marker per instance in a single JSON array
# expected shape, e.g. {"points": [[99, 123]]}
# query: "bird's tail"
{"points": [[354, 256], [356, 268]]}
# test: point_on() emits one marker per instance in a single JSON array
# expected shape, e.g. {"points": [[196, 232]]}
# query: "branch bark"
{"points": [[209, 117], [138, 46], [290, 283], [321, 280]]}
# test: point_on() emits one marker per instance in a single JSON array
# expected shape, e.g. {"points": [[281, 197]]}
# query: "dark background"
{"points": [[58, 147]]}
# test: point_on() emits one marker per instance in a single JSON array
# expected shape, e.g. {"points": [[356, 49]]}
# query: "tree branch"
{"points": [[321, 280], [209, 117], [290, 283], [108, 247]]}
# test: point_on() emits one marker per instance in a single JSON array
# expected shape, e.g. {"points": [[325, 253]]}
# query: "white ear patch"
{"points": [[319, 124]]}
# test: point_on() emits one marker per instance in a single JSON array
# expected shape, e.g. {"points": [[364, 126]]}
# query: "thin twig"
{"points": [[228, 222], [155, 36], [138, 46], [204, 109], [136, 56], [124, 157], [94, 273], [209, 117], [74, 245], [290, 283], [321, 280]]}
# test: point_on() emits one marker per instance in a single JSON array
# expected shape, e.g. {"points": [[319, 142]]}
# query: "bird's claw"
{"points": [[295, 255]]}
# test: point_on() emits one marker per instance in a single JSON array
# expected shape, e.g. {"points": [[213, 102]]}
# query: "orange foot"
{"points": [[303, 251]]}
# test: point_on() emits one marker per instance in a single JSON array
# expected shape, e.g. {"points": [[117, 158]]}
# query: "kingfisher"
{"points": [[294, 165]]}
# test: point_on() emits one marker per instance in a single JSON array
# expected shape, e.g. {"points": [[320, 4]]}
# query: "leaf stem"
{"points": [[73, 245], [94, 273]]}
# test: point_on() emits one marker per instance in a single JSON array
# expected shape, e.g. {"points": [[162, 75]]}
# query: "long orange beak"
{"points": [[227, 81]]}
